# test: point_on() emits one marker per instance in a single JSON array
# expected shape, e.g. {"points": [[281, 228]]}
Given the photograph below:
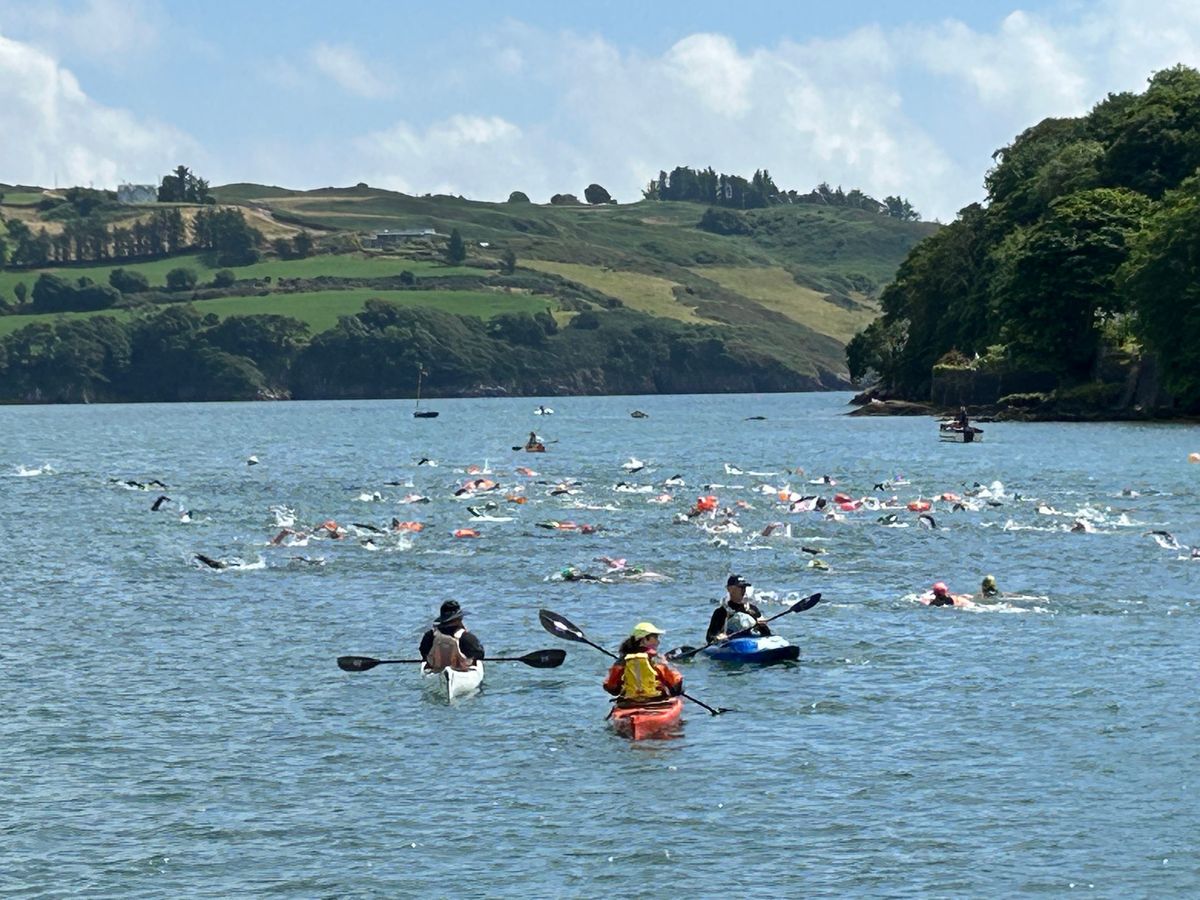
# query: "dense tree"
{"points": [[456, 248], [128, 281], [1161, 281], [595, 194], [518, 197], [224, 278], [508, 261], [182, 186], [52, 293], [182, 278], [564, 200], [302, 244]]}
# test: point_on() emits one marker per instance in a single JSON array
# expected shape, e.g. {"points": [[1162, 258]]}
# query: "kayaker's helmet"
{"points": [[940, 589], [644, 629], [449, 612]]}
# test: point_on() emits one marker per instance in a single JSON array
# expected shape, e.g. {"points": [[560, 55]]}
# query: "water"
{"points": [[173, 730]]}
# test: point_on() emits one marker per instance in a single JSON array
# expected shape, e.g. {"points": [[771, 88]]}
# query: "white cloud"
{"points": [[114, 32], [53, 130], [343, 65]]}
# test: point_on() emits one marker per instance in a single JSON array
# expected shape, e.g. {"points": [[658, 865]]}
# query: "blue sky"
{"points": [[484, 98]]}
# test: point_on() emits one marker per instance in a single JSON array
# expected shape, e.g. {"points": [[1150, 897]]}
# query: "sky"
{"points": [[481, 99]]}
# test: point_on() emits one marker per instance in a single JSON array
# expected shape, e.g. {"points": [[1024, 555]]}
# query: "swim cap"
{"points": [[940, 588], [989, 581]]}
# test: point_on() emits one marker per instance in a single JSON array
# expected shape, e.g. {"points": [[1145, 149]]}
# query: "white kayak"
{"points": [[451, 683]]}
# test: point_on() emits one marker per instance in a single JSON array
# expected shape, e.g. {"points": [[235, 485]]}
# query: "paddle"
{"points": [[799, 606], [562, 627], [538, 659]]}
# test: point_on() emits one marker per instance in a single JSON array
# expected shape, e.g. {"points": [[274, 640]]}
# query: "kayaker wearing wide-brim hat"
{"points": [[736, 613], [636, 677], [448, 644]]}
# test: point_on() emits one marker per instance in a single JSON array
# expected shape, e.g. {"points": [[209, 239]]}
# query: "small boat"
{"points": [[419, 413], [543, 411], [535, 448], [450, 684], [646, 719], [754, 649], [638, 414]]}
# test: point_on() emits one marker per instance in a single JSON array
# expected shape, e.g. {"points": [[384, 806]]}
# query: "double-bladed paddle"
{"points": [[562, 627], [799, 606], [538, 659]]}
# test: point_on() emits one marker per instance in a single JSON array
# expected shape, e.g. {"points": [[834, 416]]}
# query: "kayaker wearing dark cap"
{"points": [[636, 677], [736, 613], [448, 644]]}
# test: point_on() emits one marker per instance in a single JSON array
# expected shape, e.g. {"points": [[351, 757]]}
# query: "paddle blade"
{"points": [[356, 663], [560, 627], [806, 603], [682, 652], [545, 659]]}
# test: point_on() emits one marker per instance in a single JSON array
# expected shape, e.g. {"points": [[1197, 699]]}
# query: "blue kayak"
{"points": [[772, 648]]}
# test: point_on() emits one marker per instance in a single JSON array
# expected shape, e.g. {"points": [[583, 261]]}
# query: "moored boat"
{"points": [[449, 684], [754, 649], [641, 720]]}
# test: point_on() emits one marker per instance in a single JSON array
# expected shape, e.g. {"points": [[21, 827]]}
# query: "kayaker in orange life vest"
{"points": [[448, 644], [636, 677]]}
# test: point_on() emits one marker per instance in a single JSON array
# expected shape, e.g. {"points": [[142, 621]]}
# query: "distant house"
{"points": [[394, 238], [137, 193]]}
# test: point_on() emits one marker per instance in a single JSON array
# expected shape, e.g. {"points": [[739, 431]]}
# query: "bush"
{"points": [[128, 282], [723, 221], [407, 278], [518, 197], [564, 200], [181, 279], [224, 278], [595, 194], [953, 359]]}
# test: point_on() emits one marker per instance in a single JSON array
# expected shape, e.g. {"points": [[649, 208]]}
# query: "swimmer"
{"points": [[925, 520], [210, 562], [162, 498], [940, 596], [988, 588], [370, 528], [1164, 539]]}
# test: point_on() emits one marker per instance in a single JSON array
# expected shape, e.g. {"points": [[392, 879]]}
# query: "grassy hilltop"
{"points": [[788, 290]]}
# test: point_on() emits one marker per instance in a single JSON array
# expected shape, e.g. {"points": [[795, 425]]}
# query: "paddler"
{"points": [[534, 443], [637, 676], [736, 613], [448, 644]]}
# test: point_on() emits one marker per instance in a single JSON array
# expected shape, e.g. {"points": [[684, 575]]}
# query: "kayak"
{"points": [[647, 719], [772, 648], [449, 684]]}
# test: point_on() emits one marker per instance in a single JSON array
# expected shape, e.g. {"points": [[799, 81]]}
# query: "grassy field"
{"points": [[646, 293], [354, 265], [320, 309], [775, 289], [21, 198]]}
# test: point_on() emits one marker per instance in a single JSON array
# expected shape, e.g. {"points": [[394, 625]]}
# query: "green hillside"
{"points": [[780, 297]]}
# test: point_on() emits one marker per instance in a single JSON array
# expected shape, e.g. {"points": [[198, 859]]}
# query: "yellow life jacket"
{"points": [[640, 681]]}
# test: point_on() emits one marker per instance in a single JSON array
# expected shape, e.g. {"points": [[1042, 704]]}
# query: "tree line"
{"points": [[1088, 243], [178, 352], [718, 189]]}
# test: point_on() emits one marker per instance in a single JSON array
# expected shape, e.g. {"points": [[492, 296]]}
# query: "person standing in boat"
{"points": [[736, 613], [960, 421], [448, 644], [637, 676]]}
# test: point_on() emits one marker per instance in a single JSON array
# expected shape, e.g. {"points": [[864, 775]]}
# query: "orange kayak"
{"points": [[647, 719]]}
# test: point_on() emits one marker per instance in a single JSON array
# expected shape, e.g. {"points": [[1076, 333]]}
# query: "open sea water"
{"points": [[172, 730]]}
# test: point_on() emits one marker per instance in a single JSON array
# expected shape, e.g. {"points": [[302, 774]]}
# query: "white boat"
{"points": [[449, 684]]}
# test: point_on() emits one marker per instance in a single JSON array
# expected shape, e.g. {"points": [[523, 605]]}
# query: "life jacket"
{"points": [[639, 682], [737, 620], [445, 652]]}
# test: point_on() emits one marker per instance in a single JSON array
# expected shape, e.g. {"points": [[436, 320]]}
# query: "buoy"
{"points": [[466, 533], [919, 505]]}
